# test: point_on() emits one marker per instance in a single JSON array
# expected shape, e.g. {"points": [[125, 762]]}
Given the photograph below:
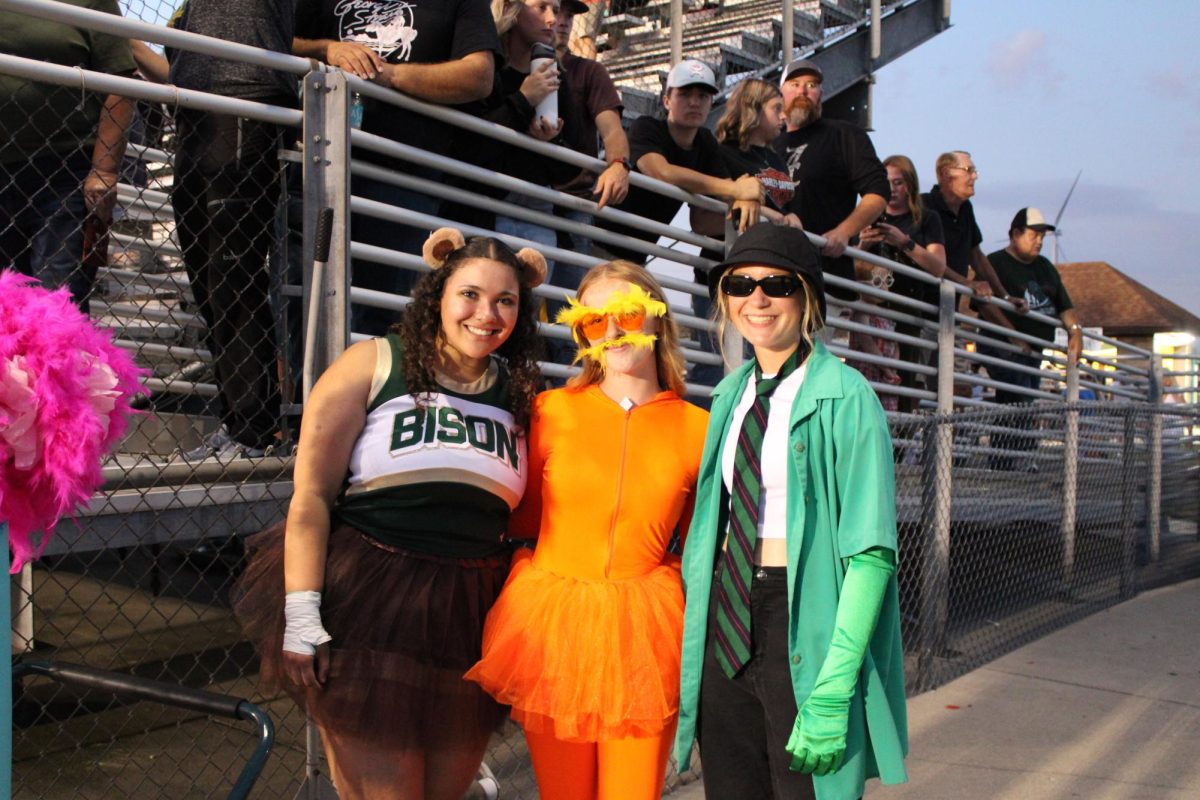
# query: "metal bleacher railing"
{"points": [[1013, 519]]}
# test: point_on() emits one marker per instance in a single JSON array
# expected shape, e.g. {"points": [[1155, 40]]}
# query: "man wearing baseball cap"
{"points": [[841, 186], [681, 151], [1027, 274]]}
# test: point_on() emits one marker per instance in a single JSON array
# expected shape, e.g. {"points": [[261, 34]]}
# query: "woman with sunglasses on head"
{"points": [[792, 664], [584, 640], [411, 458]]}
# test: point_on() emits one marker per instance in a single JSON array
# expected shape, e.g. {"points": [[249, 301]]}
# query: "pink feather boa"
{"points": [[64, 402]]}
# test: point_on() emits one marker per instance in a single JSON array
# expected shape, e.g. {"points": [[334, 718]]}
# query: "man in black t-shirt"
{"points": [[681, 151], [950, 199], [1025, 273], [841, 187], [437, 52]]}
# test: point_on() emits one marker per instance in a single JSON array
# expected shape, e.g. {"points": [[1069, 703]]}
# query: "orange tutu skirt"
{"points": [[585, 660]]}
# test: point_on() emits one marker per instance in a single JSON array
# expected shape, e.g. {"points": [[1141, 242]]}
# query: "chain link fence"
{"points": [[182, 274], [1017, 521]]}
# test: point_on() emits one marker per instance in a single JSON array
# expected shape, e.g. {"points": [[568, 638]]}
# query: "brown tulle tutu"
{"points": [[405, 628]]}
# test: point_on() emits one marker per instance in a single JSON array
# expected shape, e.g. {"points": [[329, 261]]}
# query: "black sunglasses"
{"points": [[772, 285]]}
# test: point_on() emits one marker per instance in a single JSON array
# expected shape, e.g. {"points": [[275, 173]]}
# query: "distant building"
{"points": [[1108, 300]]}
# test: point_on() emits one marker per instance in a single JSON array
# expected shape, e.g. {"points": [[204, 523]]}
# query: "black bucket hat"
{"points": [[770, 245]]}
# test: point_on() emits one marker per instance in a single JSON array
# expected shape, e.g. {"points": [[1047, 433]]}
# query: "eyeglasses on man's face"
{"points": [[969, 170]]}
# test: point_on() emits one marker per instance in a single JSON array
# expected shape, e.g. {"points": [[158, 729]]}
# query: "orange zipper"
{"points": [[612, 525]]}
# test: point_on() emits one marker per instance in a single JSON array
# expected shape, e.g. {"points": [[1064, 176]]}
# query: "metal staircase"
{"points": [[144, 298]]}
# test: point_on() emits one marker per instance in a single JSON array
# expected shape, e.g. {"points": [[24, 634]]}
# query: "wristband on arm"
{"points": [[818, 741], [303, 630]]}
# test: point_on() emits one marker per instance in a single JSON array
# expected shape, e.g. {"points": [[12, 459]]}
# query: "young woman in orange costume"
{"points": [[584, 640]]}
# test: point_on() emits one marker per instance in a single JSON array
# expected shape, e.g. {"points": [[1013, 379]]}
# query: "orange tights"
{"points": [[617, 769]]}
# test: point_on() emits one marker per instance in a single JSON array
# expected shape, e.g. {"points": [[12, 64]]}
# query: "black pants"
{"points": [[1021, 420], [745, 722], [225, 195]]}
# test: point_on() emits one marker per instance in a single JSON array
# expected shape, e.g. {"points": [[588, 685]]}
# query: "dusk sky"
{"points": [[1037, 91]]}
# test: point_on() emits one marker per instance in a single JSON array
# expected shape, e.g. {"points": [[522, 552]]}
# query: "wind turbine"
{"points": [[1057, 232]]}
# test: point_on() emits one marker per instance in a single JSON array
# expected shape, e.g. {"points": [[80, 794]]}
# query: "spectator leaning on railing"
{"points": [[1025, 273], [60, 148], [436, 52], [681, 151], [912, 235], [752, 121], [594, 95], [950, 199], [840, 185]]}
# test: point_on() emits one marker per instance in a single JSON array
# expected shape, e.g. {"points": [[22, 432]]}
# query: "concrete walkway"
{"points": [[1106, 709]]}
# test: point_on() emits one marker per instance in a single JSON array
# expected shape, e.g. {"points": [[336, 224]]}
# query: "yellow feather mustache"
{"points": [[632, 302], [599, 351]]}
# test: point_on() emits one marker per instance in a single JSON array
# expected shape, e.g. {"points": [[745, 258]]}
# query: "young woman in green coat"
{"points": [[792, 669]]}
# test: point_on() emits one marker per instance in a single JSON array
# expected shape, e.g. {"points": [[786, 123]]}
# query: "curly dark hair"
{"points": [[421, 329]]}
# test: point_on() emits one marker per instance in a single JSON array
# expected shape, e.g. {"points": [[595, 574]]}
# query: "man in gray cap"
{"points": [[681, 151], [841, 186]]}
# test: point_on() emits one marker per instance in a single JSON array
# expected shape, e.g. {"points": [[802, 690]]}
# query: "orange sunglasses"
{"points": [[595, 326]]}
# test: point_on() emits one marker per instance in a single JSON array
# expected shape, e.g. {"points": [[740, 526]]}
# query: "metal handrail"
{"points": [[154, 691], [168, 95], [159, 34]]}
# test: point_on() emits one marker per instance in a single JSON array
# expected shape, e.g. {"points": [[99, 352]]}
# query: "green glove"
{"points": [[818, 741]]}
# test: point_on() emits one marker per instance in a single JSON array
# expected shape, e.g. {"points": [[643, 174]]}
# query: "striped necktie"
{"points": [[733, 635]]}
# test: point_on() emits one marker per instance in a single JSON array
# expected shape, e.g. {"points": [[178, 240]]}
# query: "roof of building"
{"points": [[1107, 298]]}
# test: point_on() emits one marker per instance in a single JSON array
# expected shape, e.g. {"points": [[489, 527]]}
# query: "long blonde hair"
{"points": [[811, 320], [505, 12], [742, 111], [668, 355], [909, 173]]}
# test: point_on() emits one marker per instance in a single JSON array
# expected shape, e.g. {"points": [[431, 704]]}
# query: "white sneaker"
{"points": [[221, 446]]}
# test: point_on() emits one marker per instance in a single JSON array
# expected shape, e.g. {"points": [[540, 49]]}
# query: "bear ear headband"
{"points": [[444, 241]]}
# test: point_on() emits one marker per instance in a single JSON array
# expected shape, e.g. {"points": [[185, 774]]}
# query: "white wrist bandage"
{"points": [[303, 630]]}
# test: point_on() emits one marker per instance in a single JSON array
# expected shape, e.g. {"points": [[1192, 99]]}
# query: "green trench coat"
{"points": [[841, 501]]}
